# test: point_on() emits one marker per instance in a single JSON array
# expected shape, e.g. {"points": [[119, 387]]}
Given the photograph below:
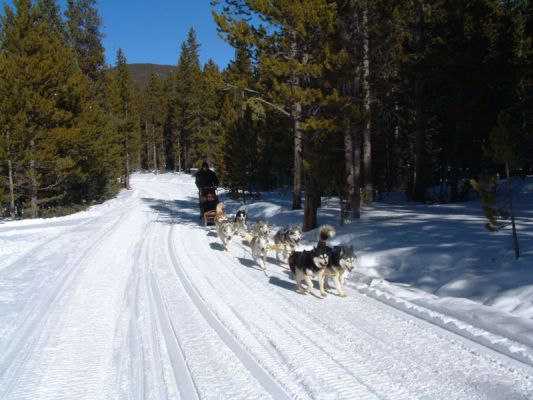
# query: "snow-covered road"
{"points": [[133, 299]]}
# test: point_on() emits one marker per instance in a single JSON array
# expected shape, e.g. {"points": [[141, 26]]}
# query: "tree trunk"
{"points": [[127, 177], [12, 213], [33, 183], [11, 189], [177, 156], [297, 178], [310, 205], [147, 145], [367, 133], [420, 173], [454, 179], [459, 109], [392, 149], [511, 209], [351, 190], [296, 114], [155, 150], [357, 175]]}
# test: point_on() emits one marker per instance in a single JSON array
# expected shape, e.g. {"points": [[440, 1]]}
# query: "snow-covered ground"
{"points": [[134, 299]]}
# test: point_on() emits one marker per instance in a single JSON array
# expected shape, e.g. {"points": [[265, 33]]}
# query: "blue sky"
{"points": [[152, 31]]}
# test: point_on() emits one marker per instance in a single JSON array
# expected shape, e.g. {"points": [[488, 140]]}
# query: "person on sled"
{"points": [[206, 182]]}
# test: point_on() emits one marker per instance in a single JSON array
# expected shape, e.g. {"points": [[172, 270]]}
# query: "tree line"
{"points": [[383, 96], [69, 124], [350, 98]]}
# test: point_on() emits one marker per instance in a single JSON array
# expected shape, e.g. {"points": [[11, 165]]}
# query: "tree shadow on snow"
{"points": [[176, 211]]}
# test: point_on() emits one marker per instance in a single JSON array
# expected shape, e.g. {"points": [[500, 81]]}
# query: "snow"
{"points": [[135, 299]]}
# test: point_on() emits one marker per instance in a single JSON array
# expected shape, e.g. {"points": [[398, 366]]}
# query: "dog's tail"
{"points": [[219, 207], [326, 232]]}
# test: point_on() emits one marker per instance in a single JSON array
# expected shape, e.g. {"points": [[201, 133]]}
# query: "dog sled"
{"points": [[208, 203]]}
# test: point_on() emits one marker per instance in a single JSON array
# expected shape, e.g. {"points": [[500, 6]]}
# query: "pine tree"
{"points": [[236, 78], [207, 141], [343, 78], [97, 149], [288, 60], [188, 100], [85, 36], [50, 13], [7, 151], [228, 118], [98, 144], [154, 116], [126, 116], [171, 137], [41, 119], [420, 180]]}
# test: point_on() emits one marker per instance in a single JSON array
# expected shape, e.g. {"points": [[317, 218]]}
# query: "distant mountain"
{"points": [[141, 72]]}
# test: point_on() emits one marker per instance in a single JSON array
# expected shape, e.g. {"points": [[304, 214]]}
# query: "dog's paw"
{"points": [[323, 295], [342, 295]]}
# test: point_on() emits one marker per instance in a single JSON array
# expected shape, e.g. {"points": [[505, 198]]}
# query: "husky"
{"points": [[260, 228], [286, 241], [341, 260], [240, 222], [326, 232], [306, 264], [220, 214], [259, 245], [226, 231]]}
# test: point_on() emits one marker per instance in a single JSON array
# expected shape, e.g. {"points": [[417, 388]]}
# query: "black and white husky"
{"points": [[259, 245], [226, 231], [286, 240], [308, 263], [342, 260], [240, 222]]}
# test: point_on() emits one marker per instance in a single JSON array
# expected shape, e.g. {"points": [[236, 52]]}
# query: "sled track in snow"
{"points": [[140, 353], [150, 307], [150, 347], [186, 385], [517, 354], [279, 328], [357, 358], [270, 385], [36, 326]]}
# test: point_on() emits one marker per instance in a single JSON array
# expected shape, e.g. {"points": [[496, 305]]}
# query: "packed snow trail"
{"points": [[135, 300]]}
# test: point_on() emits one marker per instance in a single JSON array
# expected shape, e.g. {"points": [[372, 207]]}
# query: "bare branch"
{"points": [[276, 107], [260, 99]]}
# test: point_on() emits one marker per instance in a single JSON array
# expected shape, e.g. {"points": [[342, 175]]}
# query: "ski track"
{"points": [[382, 363], [138, 301], [29, 322]]}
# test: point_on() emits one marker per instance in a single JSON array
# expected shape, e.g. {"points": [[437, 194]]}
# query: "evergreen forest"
{"points": [[345, 98]]}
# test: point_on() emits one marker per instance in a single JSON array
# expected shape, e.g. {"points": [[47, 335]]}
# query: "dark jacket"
{"points": [[206, 179]]}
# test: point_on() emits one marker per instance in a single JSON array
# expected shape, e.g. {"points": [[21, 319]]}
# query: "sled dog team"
{"points": [[320, 262]]}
